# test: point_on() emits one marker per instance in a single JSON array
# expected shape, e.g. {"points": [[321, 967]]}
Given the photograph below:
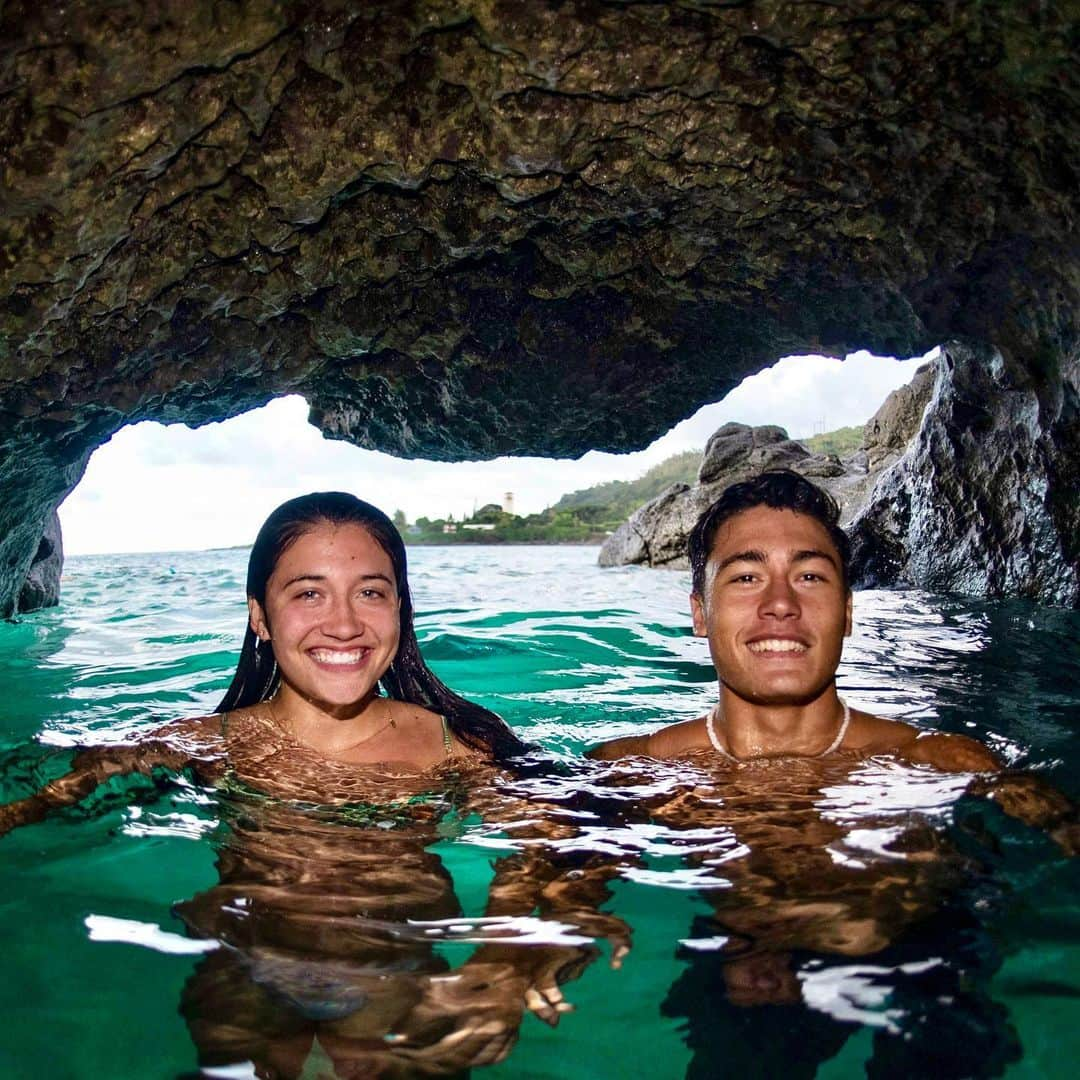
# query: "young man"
{"points": [[771, 593]]}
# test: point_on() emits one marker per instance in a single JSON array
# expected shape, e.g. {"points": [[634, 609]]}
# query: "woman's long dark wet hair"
{"points": [[408, 678]]}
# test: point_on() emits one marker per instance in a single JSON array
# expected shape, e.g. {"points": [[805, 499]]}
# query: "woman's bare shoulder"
{"points": [[193, 734], [434, 730]]}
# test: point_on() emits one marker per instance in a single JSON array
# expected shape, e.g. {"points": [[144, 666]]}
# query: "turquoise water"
{"points": [[960, 950]]}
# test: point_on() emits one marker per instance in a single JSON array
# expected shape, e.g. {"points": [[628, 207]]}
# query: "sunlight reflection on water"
{"points": [[832, 860]]}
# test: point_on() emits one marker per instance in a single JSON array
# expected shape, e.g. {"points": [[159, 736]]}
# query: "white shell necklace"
{"points": [[714, 738]]}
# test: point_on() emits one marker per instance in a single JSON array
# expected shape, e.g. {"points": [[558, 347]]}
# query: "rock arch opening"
{"points": [[459, 233], [153, 487]]}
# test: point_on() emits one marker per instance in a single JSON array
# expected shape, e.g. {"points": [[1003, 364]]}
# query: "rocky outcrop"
{"points": [[963, 485], [983, 500], [889, 432], [470, 229], [42, 585], [657, 533]]}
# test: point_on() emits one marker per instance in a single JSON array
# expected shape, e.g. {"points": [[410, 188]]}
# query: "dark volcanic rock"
{"points": [[983, 501], [468, 229], [42, 585], [889, 431], [736, 447], [656, 534], [969, 490]]}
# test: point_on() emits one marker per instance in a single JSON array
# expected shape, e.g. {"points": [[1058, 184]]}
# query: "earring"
{"points": [[268, 686]]}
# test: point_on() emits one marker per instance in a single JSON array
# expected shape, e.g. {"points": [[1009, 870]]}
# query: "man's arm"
{"points": [[551, 876], [951, 753], [1024, 796], [871, 736], [1035, 802]]}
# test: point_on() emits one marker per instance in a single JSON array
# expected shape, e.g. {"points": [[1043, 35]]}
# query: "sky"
{"points": [[156, 487]]}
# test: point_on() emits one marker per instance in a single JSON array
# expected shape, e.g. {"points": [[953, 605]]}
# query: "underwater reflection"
{"points": [[333, 924], [841, 895]]}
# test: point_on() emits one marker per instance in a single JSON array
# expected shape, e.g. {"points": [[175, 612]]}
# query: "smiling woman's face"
{"points": [[332, 612]]}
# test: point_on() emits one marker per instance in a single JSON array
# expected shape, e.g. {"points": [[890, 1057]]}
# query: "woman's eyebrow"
{"points": [[303, 577], [377, 577], [323, 577]]}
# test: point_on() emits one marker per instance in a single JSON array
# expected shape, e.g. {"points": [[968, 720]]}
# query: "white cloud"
{"points": [[158, 488], [805, 394]]}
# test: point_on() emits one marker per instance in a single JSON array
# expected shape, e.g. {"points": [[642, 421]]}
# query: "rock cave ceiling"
{"points": [[467, 229]]}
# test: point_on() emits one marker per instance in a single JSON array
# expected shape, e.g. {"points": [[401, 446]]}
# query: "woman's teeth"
{"points": [[335, 656]]}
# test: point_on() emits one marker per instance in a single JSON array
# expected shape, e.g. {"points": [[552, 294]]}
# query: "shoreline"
{"points": [[503, 543], [408, 544]]}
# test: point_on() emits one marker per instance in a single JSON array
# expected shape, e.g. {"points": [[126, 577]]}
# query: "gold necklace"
{"points": [[290, 731]]}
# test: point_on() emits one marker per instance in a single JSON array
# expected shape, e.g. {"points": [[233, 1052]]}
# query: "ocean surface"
{"points": [[864, 919]]}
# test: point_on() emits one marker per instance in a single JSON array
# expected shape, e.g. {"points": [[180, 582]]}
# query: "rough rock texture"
{"points": [[42, 585], [984, 499], [966, 483], [461, 229], [886, 437], [656, 534], [889, 431]]}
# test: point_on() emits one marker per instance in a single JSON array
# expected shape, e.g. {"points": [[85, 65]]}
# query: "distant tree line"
{"points": [[588, 515], [548, 527], [843, 442], [582, 517]]}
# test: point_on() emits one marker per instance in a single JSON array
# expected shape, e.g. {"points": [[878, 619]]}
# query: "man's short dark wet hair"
{"points": [[778, 489]]}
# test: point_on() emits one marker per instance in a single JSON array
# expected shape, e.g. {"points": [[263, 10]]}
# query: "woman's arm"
{"points": [[174, 746]]}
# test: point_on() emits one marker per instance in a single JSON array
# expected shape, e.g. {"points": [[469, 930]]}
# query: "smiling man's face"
{"points": [[776, 607]]}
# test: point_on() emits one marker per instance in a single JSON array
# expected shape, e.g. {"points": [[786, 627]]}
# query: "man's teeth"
{"points": [[333, 656], [776, 645]]}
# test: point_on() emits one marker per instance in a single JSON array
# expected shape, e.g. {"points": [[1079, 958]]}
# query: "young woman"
{"points": [[331, 699], [330, 671], [328, 752]]}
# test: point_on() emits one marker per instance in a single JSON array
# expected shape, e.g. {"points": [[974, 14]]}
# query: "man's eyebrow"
{"points": [[741, 556], [814, 553], [756, 556]]}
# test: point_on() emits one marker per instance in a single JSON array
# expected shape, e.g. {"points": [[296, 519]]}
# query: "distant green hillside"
{"points": [[841, 442], [584, 517], [618, 499], [613, 502]]}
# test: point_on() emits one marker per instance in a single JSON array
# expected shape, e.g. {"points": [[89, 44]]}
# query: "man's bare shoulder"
{"points": [[870, 735], [669, 742]]}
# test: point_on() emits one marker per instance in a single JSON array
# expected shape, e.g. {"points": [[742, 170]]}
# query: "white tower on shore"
{"points": [[508, 503]]}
